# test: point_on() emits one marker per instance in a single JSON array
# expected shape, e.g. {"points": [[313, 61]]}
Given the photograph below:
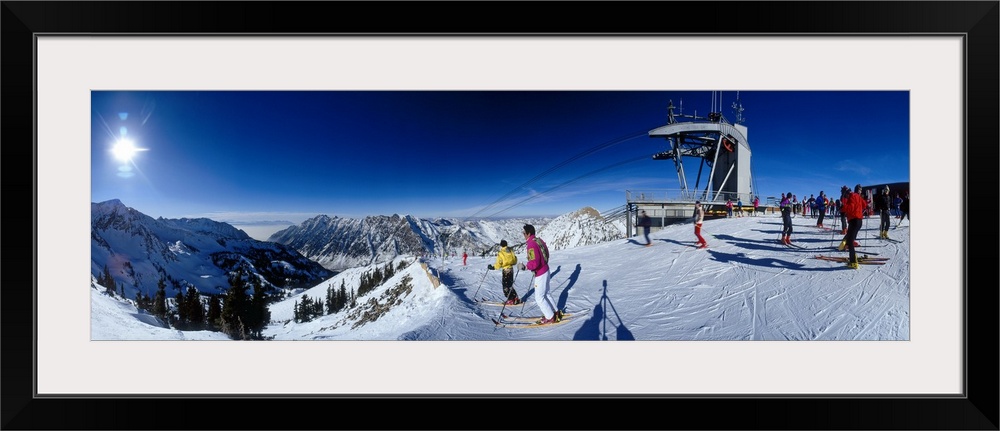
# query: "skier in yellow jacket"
{"points": [[505, 263]]}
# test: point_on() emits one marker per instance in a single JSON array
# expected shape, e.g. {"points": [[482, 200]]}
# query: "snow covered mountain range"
{"points": [[138, 249], [341, 243]]}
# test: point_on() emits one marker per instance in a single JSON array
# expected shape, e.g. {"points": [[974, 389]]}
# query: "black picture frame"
{"points": [[977, 21]]}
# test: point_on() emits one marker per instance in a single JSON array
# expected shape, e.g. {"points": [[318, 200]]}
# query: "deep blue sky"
{"points": [[291, 155]]}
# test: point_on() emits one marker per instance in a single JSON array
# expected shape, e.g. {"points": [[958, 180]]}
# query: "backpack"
{"points": [[544, 248]]}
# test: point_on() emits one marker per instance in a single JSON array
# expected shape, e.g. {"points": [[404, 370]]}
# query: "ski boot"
{"points": [[545, 321]]}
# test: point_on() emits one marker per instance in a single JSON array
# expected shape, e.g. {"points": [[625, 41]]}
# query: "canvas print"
{"points": [[500, 215]]}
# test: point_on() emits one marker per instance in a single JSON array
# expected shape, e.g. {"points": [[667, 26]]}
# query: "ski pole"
{"points": [[507, 297], [518, 272], [867, 233], [515, 283], [480, 284], [501, 316]]}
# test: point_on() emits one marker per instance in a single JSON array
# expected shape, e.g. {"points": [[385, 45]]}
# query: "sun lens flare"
{"points": [[124, 150]]}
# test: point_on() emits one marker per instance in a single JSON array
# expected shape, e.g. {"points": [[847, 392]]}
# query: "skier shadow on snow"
{"points": [[797, 236], [561, 302], [768, 231], [595, 328], [564, 295], [669, 240], [752, 244], [768, 262], [773, 245]]}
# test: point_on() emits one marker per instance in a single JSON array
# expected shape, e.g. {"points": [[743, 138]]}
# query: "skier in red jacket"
{"points": [[699, 218], [854, 207]]}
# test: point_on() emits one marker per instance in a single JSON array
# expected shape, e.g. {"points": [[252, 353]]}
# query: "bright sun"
{"points": [[124, 150]]}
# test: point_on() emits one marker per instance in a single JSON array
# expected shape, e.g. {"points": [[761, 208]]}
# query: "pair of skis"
{"points": [[872, 253], [485, 301], [532, 322], [508, 321], [689, 247], [791, 245], [863, 260], [800, 247]]}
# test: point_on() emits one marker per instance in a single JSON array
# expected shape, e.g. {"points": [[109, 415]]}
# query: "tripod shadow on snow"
{"points": [[596, 327], [564, 295]]}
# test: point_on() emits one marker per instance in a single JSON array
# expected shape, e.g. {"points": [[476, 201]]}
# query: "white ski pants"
{"points": [[542, 296]]}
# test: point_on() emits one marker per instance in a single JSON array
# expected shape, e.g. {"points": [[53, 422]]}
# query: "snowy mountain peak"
{"points": [[587, 212], [342, 243], [138, 251], [583, 227]]}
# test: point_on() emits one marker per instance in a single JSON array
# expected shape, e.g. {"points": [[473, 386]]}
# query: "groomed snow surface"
{"points": [[745, 286]]}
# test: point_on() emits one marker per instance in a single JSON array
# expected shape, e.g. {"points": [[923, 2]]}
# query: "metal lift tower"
{"points": [[715, 143], [712, 142]]}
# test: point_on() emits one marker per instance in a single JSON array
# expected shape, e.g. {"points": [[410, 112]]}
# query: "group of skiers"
{"points": [[818, 206], [852, 209], [537, 257], [739, 207], [699, 217]]}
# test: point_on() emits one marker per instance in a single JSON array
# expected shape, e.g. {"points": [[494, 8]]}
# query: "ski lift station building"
{"points": [[710, 142]]}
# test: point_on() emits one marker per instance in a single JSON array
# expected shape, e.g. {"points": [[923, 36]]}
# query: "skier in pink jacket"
{"points": [[538, 263]]}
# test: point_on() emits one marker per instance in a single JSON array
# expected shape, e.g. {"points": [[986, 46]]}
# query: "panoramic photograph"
{"points": [[500, 215], [289, 208]]}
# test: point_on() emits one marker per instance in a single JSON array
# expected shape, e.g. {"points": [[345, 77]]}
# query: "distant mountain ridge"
{"points": [[340, 243], [582, 227], [138, 249]]}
